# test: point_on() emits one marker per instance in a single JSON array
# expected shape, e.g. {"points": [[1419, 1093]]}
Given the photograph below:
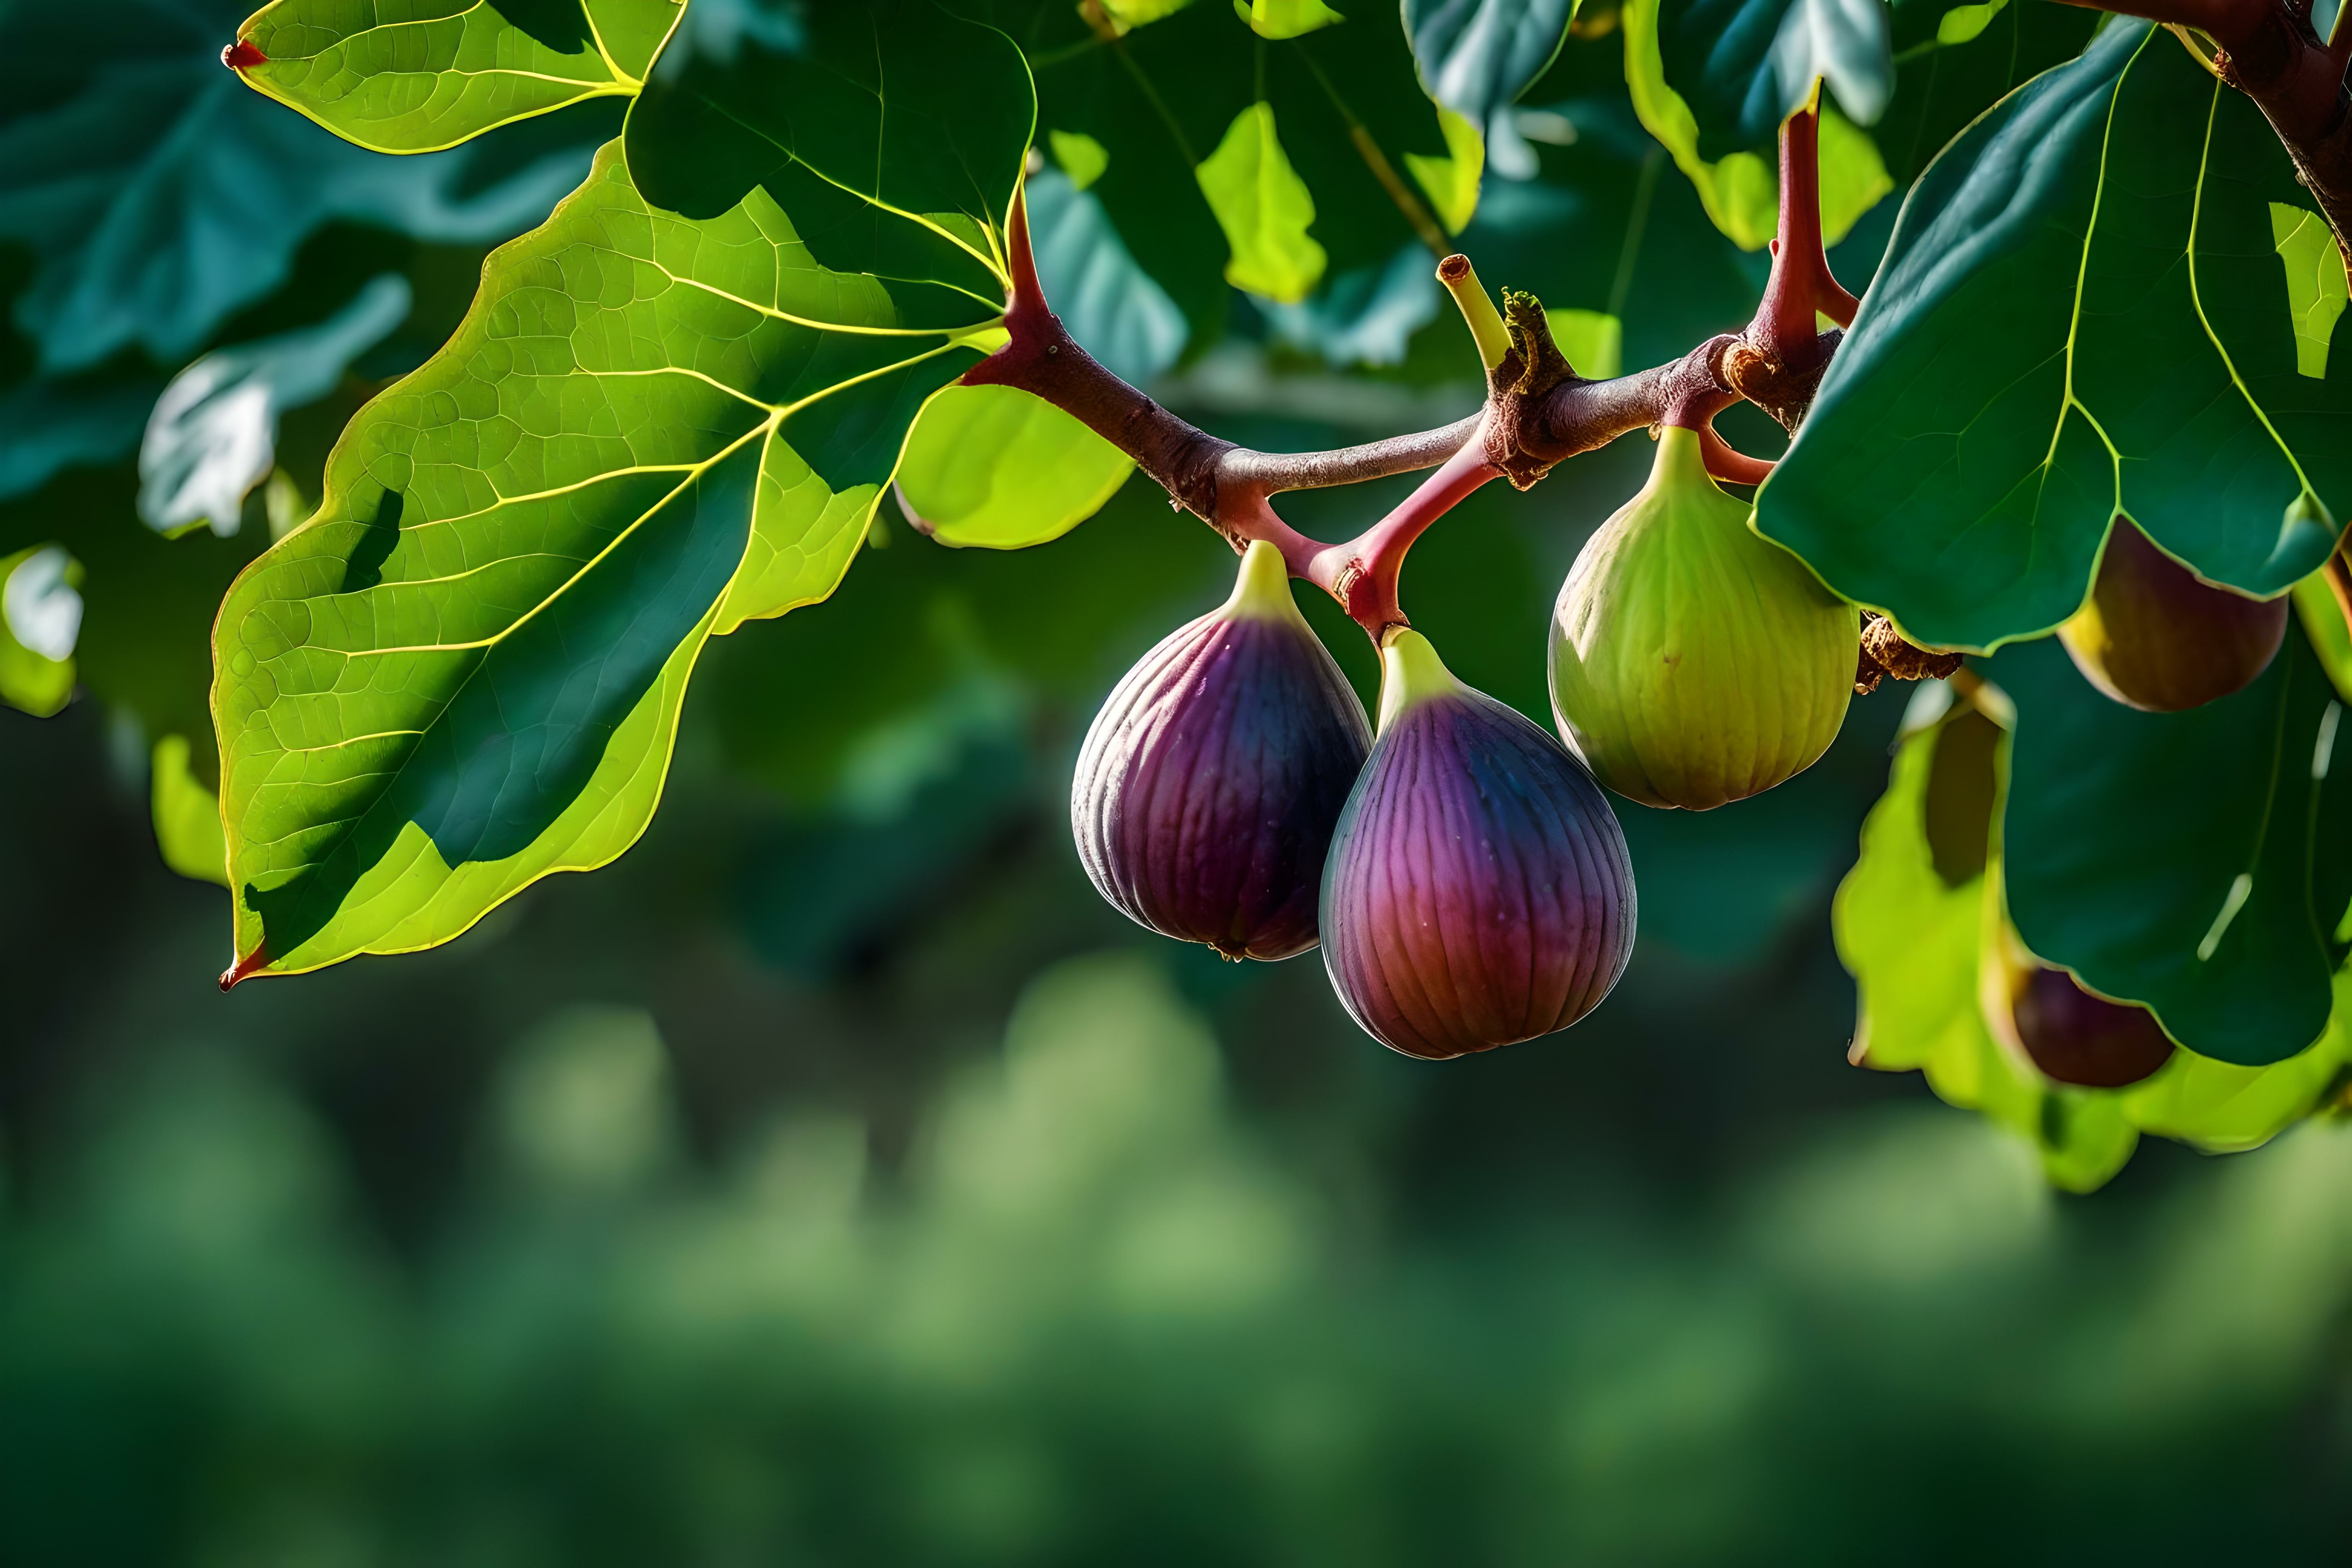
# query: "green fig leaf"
{"points": [[1910, 927], [158, 197], [1450, 183], [1744, 65], [1983, 420], [2199, 863], [1004, 468], [422, 77], [1951, 64], [41, 621], [1740, 188], [464, 672], [1163, 99], [1286, 18], [1082, 158], [1265, 209], [1476, 59], [187, 816], [2224, 1109]]}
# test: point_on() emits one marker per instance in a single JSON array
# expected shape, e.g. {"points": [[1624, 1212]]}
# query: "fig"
{"points": [[1479, 892], [1693, 661], [2154, 636], [2076, 1037], [2070, 1036], [1209, 784]]}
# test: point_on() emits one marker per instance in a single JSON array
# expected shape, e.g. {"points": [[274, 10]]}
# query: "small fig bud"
{"points": [[1209, 784], [1479, 892], [2154, 636], [1693, 660]]}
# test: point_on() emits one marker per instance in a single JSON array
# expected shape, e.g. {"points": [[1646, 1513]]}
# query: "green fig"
{"points": [[1693, 660], [2154, 636]]}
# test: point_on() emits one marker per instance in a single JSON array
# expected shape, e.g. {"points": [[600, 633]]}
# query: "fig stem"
{"points": [[1485, 323], [1801, 282], [1411, 674], [1365, 581]]}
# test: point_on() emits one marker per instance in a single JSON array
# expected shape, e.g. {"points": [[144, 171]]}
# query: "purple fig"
{"points": [[2076, 1037], [2154, 636], [1210, 783], [1479, 892]]}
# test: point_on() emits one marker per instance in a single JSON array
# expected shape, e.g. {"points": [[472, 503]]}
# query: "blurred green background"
{"points": [[835, 1179]]}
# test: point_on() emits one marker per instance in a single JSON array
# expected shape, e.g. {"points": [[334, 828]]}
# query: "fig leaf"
{"points": [[1978, 427]]}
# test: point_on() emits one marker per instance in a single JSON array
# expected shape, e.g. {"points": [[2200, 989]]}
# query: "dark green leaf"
{"points": [[1476, 57], [2197, 862], [158, 196], [2083, 311], [1940, 86]]}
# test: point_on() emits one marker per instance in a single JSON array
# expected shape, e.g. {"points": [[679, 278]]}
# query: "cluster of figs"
{"points": [[1459, 865]]}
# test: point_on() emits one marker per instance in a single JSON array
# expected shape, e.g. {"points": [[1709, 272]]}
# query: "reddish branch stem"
{"points": [[1777, 362]]}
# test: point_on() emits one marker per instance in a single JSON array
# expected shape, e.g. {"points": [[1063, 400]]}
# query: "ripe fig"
{"points": [[2076, 1037], [2070, 1035], [1478, 892], [1210, 783], [1693, 660], [2154, 636]]}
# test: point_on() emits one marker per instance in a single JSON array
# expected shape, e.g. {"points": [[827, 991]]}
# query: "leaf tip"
{"points": [[243, 55], [244, 968]]}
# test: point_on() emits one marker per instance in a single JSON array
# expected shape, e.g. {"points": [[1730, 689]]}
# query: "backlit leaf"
{"points": [[997, 466], [430, 74], [1265, 209], [187, 816], [464, 673], [1911, 927], [1450, 183], [1286, 18]]}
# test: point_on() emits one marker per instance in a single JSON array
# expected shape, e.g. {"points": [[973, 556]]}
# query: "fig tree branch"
{"points": [[1539, 410]]}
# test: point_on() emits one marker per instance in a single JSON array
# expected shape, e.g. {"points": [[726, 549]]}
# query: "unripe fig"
{"points": [[2154, 636], [1210, 783], [1478, 892], [1693, 660], [2078, 1039]]}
